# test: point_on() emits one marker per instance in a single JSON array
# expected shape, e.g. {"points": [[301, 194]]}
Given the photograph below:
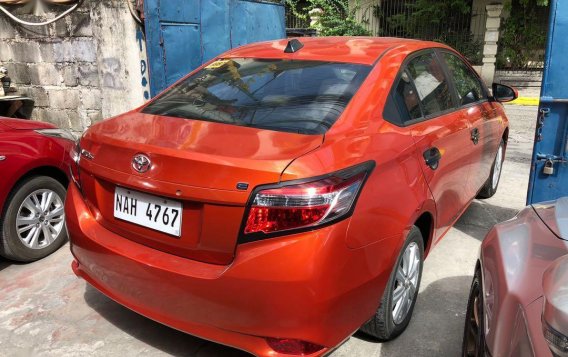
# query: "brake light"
{"points": [[306, 205], [291, 346]]}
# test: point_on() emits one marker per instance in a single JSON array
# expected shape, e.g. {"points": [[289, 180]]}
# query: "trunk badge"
{"points": [[141, 163], [242, 186]]}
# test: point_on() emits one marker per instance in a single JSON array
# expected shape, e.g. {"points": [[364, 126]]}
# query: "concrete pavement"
{"points": [[45, 310]]}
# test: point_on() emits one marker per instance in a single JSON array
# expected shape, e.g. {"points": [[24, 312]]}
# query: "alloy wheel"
{"points": [[406, 281], [40, 219], [497, 168]]}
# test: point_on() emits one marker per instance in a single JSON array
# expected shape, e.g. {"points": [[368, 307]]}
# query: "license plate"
{"points": [[159, 213]]}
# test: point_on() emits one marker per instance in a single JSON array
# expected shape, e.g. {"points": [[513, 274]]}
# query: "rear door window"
{"points": [[431, 84], [468, 85], [421, 91], [284, 95]]}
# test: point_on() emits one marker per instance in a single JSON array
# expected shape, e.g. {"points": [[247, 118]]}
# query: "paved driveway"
{"points": [[45, 310]]}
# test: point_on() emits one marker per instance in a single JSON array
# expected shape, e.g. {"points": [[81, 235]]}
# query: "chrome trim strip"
{"points": [[87, 154]]}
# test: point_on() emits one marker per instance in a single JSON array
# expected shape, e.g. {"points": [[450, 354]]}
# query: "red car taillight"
{"points": [[311, 203], [291, 346]]}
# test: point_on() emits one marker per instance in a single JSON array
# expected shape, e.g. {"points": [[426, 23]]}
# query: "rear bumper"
{"points": [[308, 286], [253, 344]]}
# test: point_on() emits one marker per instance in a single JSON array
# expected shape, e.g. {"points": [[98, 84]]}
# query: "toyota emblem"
{"points": [[141, 163]]}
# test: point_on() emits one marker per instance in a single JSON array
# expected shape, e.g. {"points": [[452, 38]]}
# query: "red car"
{"points": [[285, 194], [34, 161], [518, 304]]}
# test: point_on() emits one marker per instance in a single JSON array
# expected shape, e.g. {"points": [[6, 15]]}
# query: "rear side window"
{"points": [[284, 95], [468, 86], [407, 99], [431, 84]]}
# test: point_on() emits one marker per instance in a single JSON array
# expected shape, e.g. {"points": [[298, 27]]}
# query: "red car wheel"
{"points": [[34, 223]]}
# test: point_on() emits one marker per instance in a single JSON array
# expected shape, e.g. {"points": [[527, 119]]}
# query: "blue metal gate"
{"points": [[181, 35], [549, 169]]}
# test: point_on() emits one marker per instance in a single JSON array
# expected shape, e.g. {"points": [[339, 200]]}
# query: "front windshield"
{"points": [[297, 96]]}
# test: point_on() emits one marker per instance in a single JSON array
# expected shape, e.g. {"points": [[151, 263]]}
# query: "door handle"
{"points": [[2, 157], [432, 157], [475, 135]]}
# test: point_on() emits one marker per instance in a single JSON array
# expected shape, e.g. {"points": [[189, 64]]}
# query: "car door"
{"points": [[474, 107], [424, 98]]}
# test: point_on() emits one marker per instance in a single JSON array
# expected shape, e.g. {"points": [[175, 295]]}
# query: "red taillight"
{"points": [[306, 204], [291, 346], [271, 219]]}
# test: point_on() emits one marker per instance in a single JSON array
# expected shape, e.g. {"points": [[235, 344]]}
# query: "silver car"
{"points": [[518, 304]]}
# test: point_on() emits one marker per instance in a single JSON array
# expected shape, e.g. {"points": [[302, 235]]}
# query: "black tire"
{"points": [[473, 344], [382, 325], [11, 246], [490, 187]]}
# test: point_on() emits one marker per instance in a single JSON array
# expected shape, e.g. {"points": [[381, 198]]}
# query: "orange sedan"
{"points": [[285, 194]]}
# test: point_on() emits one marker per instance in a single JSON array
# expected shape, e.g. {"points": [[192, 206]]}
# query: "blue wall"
{"points": [[552, 123], [182, 34]]}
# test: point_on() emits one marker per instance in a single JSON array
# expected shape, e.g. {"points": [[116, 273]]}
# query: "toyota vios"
{"points": [[285, 194]]}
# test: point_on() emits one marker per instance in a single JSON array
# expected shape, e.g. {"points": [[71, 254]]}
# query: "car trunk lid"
{"points": [[195, 163]]}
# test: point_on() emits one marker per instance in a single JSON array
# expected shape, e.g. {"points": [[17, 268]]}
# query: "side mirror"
{"points": [[555, 313], [503, 93]]}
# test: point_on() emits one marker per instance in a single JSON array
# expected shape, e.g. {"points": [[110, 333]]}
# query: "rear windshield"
{"points": [[303, 97]]}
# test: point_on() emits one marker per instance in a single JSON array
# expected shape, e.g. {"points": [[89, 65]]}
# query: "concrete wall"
{"points": [[79, 70]]}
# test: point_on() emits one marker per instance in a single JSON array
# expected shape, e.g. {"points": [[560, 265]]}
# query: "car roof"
{"points": [[362, 50]]}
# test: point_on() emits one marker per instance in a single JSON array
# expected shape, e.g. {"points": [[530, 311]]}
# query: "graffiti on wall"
{"points": [[143, 63]]}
